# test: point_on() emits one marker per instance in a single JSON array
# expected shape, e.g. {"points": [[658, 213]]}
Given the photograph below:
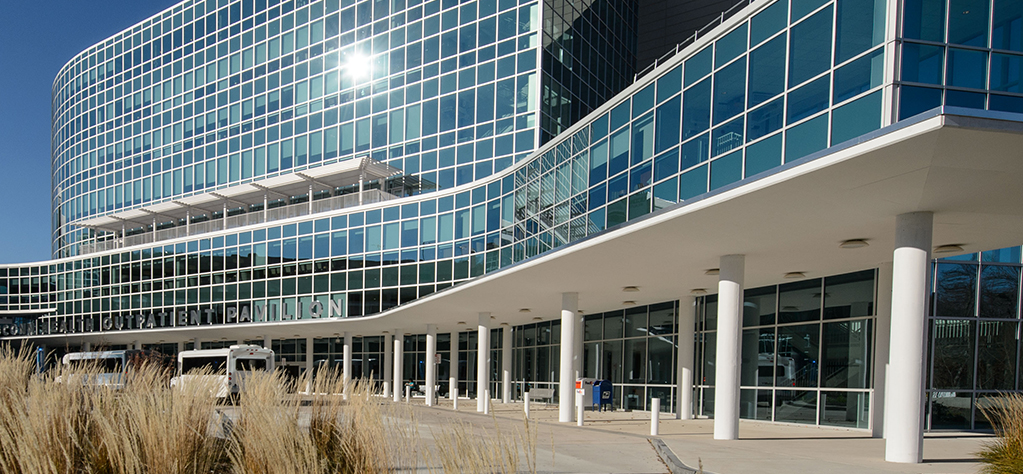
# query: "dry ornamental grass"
{"points": [[59, 423]]}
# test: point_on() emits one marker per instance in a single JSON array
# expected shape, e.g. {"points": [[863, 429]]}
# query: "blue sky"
{"points": [[36, 39]]}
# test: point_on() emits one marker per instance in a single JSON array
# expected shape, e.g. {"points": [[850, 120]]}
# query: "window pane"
{"points": [[809, 99], [996, 355], [810, 50], [967, 22], [922, 63], [795, 406], [1007, 31], [799, 301], [766, 79], [726, 170], [846, 359], [729, 91], [661, 351], [859, 76], [758, 306], [806, 138], [669, 115], [860, 27], [798, 352], [856, 118], [698, 66], [916, 100], [763, 155], [955, 290], [950, 410], [635, 360], [849, 296], [966, 68], [999, 291], [750, 356], [1005, 72], [849, 409], [768, 22], [732, 45], [728, 137], [923, 19], [696, 109], [952, 341]]}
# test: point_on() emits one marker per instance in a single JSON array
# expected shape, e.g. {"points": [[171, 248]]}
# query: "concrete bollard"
{"points": [[655, 416], [387, 389], [408, 394], [486, 402], [454, 397], [525, 405], [578, 409]]}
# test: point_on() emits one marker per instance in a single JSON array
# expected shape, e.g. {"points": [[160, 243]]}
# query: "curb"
{"points": [[675, 466]]}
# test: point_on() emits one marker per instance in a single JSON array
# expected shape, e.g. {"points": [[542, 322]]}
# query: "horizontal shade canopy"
{"points": [[335, 175]]}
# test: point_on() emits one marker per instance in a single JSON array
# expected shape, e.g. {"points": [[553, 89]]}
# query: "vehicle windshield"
{"points": [[216, 365]]}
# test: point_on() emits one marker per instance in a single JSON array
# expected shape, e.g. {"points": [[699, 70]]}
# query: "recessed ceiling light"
{"points": [[504, 324], [461, 323], [525, 310], [698, 291], [795, 275], [853, 244], [537, 318], [712, 271], [628, 303], [950, 248], [298, 335], [580, 311], [630, 289]]}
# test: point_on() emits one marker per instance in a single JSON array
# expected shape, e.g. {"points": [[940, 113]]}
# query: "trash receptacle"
{"points": [[586, 385], [602, 394]]}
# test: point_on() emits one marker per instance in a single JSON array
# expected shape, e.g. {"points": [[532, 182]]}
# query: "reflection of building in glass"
{"points": [[317, 175]]}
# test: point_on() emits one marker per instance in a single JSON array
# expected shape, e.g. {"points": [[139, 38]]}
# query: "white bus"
{"points": [[228, 367], [107, 368]]}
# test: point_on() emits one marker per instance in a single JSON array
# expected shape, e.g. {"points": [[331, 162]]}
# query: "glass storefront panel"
{"points": [[950, 410], [953, 341], [635, 360], [665, 394], [999, 291], [996, 355], [955, 290], [755, 404], [798, 352], [795, 406], [799, 301], [661, 358], [758, 306], [846, 358], [850, 409], [849, 296]]}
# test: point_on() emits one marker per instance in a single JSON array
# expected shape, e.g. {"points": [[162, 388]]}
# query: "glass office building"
{"points": [[337, 165]]}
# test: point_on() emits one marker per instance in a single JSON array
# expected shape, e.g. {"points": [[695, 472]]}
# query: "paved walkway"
{"points": [[617, 442]]}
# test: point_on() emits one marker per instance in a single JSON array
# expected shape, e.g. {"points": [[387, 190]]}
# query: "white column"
{"points": [[267, 342], [506, 364], [482, 361], [566, 383], [910, 267], [181, 346], [882, 338], [196, 343], [399, 340], [362, 179], [266, 201], [136, 345], [684, 366], [240, 342], [310, 199], [309, 356], [346, 363], [86, 346], [388, 364], [431, 364], [727, 359], [453, 367], [224, 218]]}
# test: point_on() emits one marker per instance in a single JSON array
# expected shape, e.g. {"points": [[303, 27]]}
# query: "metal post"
{"points": [[266, 202], [655, 416], [225, 215], [362, 178], [310, 199], [579, 408]]}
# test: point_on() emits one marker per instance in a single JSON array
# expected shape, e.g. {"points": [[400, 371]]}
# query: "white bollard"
{"points": [[525, 405], [655, 416], [486, 402], [578, 409], [408, 394], [454, 397], [387, 388]]}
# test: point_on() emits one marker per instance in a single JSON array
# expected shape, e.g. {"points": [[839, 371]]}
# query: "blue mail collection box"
{"points": [[602, 394]]}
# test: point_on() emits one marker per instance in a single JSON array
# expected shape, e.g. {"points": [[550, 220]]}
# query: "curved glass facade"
{"points": [[515, 132]]}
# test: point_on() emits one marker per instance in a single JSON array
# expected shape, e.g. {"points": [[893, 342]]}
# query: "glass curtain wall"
{"points": [[974, 336], [807, 351]]}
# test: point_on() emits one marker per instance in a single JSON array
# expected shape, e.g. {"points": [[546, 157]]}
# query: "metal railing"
{"points": [[333, 203], [700, 33]]}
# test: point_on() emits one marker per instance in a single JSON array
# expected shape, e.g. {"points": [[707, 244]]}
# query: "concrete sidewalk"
{"points": [[616, 442]]}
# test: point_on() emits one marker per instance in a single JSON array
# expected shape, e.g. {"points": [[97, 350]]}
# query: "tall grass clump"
{"points": [[1005, 453]]}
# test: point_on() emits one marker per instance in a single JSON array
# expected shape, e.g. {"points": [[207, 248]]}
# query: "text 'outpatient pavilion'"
{"points": [[236, 164]]}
